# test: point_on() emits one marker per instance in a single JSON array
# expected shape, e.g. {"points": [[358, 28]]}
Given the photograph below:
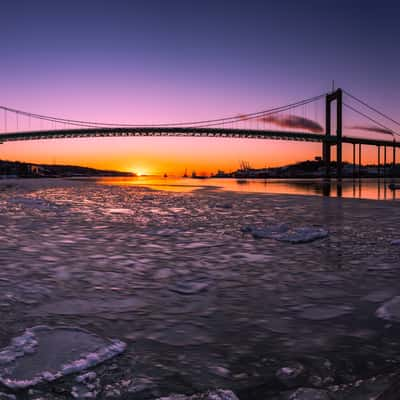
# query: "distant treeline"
{"points": [[28, 170]]}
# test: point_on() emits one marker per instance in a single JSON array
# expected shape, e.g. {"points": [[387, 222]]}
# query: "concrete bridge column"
{"points": [[335, 96], [379, 162], [326, 146], [394, 159], [384, 161]]}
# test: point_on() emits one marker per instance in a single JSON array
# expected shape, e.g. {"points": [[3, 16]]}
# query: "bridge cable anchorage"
{"points": [[371, 108], [372, 120], [92, 124]]}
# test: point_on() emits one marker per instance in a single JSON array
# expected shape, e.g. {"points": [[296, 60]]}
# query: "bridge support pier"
{"points": [[354, 160], [326, 156], [326, 146], [335, 96], [379, 162], [384, 162], [394, 160], [359, 161]]}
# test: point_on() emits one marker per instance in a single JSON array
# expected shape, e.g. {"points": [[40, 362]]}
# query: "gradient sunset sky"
{"points": [[164, 61]]}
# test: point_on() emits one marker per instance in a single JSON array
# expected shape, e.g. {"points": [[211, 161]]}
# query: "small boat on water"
{"points": [[394, 186]]}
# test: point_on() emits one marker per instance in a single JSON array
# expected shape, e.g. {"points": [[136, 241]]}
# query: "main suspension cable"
{"points": [[94, 124]]}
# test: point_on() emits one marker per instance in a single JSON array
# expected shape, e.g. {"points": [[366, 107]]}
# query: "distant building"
{"points": [[35, 170]]}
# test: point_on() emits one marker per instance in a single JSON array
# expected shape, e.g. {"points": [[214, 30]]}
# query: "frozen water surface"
{"points": [[98, 306], [208, 289]]}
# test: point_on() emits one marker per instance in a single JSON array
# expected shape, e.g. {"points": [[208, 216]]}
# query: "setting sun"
{"points": [[140, 171]]}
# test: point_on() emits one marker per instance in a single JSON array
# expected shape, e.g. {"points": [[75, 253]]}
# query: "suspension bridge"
{"points": [[299, 121]]}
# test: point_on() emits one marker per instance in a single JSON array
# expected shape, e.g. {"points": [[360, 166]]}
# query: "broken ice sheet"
{"points": [[43, 354]]}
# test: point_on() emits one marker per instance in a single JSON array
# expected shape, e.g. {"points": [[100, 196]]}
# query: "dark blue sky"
{"points": [[248, 47], [148, 61]]}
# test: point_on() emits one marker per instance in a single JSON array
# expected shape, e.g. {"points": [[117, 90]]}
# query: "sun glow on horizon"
{"points": [[140, 171]]}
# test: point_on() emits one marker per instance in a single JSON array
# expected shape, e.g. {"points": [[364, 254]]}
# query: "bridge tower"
{"points": [[329, 141]]}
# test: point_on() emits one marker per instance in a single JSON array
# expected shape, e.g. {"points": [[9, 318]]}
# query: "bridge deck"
{"points": [[187, 131]]}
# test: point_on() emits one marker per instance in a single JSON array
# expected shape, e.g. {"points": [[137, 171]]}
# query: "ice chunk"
{"points": [[44, 354], [271, 232], [291, 375], [119, 211], [303, 235], [309, 394], [321, 313], [284, 233], [188, 288], [390, 310], [211, 395]]}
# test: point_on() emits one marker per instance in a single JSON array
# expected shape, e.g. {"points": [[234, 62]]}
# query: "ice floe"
{"points": [[320, 313], [303, 235], [291, 375], [309, 394], [191, 287], [218, 394], [44, 354], [284, 233], [269, 232], [390, 310]]}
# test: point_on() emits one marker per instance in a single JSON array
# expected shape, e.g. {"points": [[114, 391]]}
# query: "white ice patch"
{"points": [[119, 211], [44, 354], [390, 310]]}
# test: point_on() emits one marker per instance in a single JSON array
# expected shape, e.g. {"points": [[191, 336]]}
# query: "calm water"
{"points": [[360, 189]]}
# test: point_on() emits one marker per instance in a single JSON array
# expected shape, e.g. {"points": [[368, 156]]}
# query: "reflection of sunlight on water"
{"points": [[360, 189]]}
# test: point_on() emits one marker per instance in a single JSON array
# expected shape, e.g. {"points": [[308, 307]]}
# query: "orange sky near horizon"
{"points": [[171, 155]]}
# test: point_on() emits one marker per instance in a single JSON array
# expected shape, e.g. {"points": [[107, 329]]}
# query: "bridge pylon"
{"points": [[329, 141]]}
